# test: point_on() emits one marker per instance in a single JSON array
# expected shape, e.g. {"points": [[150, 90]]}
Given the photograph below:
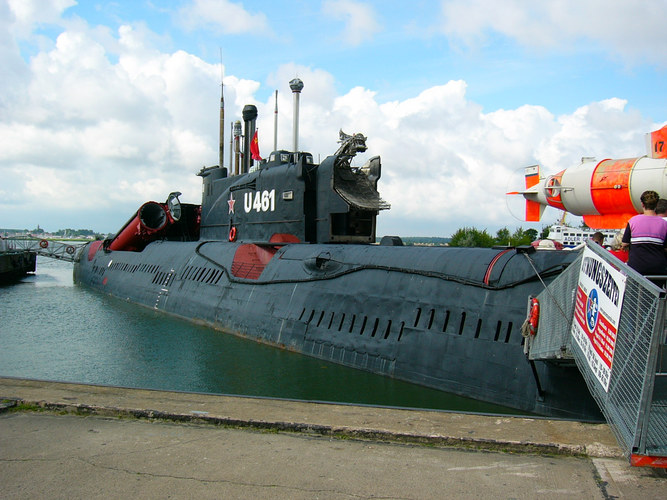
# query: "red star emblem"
{"points": [[231, 202]]}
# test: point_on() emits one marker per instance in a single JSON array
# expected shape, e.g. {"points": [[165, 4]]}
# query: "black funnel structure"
{"points": [[249, 118]]}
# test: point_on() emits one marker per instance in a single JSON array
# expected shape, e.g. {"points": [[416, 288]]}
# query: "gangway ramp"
{"points": [[610, 320], [53, 249]]}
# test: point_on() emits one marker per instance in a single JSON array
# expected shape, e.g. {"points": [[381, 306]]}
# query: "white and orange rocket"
{"points": [[606, 193]]}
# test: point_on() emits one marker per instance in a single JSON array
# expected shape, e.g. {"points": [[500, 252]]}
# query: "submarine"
{"points": [[285, 253]]}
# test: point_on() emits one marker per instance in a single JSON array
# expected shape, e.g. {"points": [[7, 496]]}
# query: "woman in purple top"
{"points": [[646, 234]]}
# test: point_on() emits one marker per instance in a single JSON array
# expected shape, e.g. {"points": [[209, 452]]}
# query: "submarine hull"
{"points": [[446, 318]]}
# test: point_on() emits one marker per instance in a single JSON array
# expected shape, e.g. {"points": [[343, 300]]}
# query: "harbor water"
{"points": [[51, 329]]}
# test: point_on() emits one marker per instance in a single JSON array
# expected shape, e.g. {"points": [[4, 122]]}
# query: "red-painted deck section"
{"points": [[250, 260], [94, 247], [284, 238]]}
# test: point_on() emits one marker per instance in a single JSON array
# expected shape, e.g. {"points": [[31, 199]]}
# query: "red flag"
{"points": [[254, 148]]}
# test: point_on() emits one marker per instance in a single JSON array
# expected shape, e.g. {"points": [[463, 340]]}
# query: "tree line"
{"points": [[473, 237]]}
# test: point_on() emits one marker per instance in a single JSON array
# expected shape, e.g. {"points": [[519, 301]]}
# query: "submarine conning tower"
{"points": [[289, 198]]}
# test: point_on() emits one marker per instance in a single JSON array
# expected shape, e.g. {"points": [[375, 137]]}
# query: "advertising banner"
{"points": [[596, 313]]}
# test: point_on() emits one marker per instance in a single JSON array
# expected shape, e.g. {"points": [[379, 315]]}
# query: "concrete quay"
{"points": [[61, 440]]}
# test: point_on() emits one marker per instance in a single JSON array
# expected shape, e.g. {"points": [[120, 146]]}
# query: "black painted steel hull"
{"points": [[15, 264], [447, 318]]}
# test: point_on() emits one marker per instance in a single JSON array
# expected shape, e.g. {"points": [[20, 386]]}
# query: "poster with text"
{"points": [[596, 313]]}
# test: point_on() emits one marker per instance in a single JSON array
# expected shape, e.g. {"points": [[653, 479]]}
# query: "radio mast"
{"points": [[222, 115]]}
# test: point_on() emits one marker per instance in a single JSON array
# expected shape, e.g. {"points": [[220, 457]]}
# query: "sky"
{"points": [[107, 105]]}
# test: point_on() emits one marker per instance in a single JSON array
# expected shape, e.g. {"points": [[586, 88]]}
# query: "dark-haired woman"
{"points": [[646, 234]]}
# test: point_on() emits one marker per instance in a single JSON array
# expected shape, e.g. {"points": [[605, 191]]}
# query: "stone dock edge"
{"points": [[341, 421]]}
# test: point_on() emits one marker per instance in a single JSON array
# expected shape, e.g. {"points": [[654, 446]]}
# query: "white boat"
{"points": [[571, 237]]}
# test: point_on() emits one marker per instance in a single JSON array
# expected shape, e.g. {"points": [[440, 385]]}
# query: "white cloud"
{"points": [[628, 29], [595, 130], [100, 124], [222, 16], [87, 131], [28, 13], [360, 19], [317, 132]]}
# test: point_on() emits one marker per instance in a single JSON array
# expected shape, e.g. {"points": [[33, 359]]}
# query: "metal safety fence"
{"points": [[556, 314], [48, 248], [634, 401]]}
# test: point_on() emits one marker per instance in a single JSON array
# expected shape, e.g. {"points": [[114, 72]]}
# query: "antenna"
{"points": [[231, 147], [237, 147], [222, 114], [275, 125]]}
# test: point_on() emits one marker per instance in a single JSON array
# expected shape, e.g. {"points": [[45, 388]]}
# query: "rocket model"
{"points": [[606, 193]]}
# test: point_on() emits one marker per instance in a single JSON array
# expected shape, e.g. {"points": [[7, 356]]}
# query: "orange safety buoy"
{"points": [[534, 315], [232, 233], [43, 244]]}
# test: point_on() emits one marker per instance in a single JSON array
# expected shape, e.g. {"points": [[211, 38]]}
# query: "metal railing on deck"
{"points": [[47, 248], [556, 314], [635, 400]]}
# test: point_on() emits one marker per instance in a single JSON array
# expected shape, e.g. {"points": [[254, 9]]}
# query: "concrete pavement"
{"points": [[73, 441]]}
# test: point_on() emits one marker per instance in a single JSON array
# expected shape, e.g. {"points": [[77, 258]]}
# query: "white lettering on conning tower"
{"points": [[261, 201]]}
